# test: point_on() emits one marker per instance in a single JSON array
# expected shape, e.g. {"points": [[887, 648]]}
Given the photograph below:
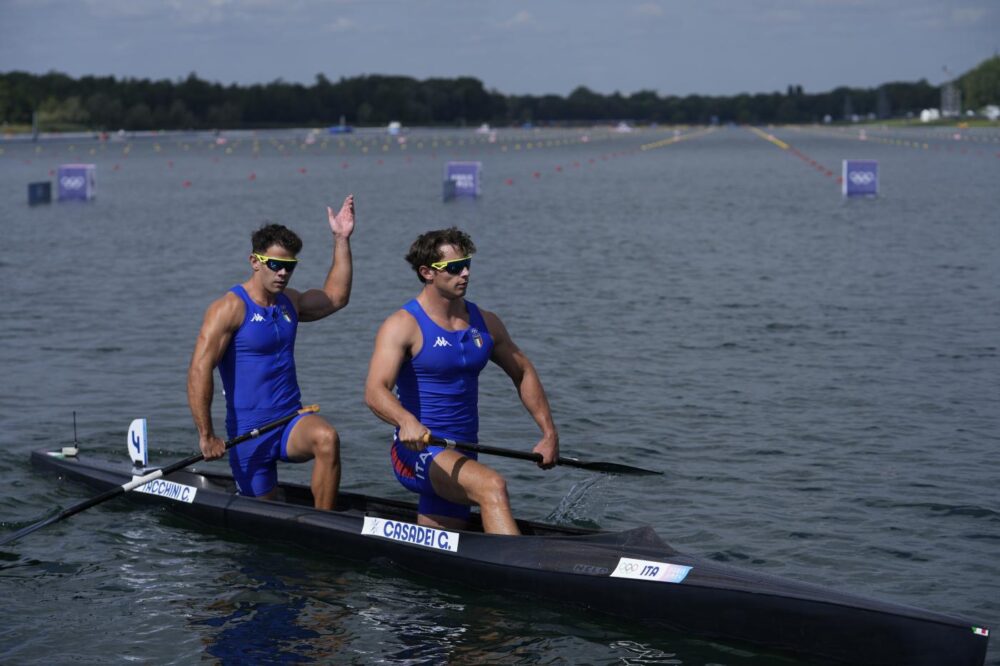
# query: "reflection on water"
{"points": [[259, 622], [285, 607], [637, 654]]}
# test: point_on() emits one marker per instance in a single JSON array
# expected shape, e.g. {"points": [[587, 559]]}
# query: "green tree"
{"points": [[59, 114], [109, 103], [981, 85], [584, 104], [139, 117], [6, 102], [105, 111]]}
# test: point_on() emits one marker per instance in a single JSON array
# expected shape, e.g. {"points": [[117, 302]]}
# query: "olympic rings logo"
{"points": [[638, 569], [72, 182], [861, 177]]}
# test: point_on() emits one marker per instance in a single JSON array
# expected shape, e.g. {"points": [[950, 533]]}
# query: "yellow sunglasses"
{"points": [[277, 263], [453, 266]]}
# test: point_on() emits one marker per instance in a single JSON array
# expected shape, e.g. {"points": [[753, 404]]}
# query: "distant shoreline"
{"points": [[21, 132]]}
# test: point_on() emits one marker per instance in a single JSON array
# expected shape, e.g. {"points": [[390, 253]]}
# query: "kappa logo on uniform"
{"points": [[257, 317], [441, 342]]}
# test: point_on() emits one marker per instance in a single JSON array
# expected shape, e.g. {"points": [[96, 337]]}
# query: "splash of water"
{"points": [[584, 505]]}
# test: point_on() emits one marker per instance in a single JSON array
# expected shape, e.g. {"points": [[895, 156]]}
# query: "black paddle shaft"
{"points": [[608, 467]]}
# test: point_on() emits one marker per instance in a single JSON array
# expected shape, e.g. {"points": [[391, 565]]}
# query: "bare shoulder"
{"points": [[225, 312], [494, 325], [489, 316], [399, 327], [398, 338]]}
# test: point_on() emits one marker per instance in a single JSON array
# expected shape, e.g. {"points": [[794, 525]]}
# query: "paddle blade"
{"points": [[609, 467], [136, 442], [25, 531]]}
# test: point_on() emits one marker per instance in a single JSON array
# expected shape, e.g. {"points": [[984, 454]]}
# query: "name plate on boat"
{"points": [[169, 489], [419, 535], [663, 572]]}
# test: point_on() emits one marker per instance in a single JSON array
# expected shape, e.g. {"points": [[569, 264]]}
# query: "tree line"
{"points": [[109, 104]]}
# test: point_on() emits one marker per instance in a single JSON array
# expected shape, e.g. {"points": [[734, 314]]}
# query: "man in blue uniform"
{"points": [[249, 334], [432, 351]]}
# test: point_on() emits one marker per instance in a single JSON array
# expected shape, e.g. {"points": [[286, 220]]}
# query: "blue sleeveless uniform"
{"points": [[258, 375], [440, 386]]}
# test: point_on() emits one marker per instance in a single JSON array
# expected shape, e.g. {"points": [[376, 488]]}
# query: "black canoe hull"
{"points": [[575, 566]]}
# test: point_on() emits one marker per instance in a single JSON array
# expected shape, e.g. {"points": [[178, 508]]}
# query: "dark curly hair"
{"points": [[427, 248], [275, 234]]}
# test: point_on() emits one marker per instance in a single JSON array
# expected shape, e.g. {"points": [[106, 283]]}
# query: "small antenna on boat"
{"points": [[75, 449]]}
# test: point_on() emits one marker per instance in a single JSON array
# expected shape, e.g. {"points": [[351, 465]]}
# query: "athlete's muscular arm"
{"points": [[222, 319], [395, 341], [315, 304], [508, 356]]}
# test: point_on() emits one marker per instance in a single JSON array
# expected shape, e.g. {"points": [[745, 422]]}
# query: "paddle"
{"points": [[152, 476], [609, 467]]}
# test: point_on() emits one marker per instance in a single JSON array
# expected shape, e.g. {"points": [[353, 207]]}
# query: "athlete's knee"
{"points": [[492, 489], [326, 444]]}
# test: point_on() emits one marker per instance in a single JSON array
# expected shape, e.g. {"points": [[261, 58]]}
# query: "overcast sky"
{"points": [[679, 47]]}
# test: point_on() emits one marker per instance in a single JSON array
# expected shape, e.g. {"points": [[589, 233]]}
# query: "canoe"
{"points": [[632, 574]]}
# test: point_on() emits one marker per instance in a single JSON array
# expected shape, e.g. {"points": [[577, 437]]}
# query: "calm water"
{"points": [[818, 378]]}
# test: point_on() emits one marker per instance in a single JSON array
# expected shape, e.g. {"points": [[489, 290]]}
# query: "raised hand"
{"points": [[342, 223]]}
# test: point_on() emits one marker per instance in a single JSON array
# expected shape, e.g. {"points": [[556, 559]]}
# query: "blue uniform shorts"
{"points": [[412, 469], [255, 462]]}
